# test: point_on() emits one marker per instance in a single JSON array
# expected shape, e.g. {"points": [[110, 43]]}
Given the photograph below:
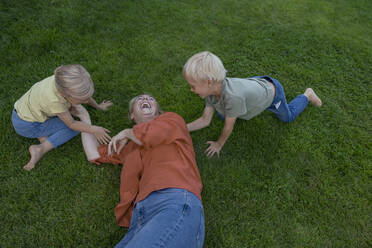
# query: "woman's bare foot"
{"points": [[312, 97], [37, 152]]}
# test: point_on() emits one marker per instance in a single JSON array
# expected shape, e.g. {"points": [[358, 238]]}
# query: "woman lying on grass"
{"points": [[160, 189]]}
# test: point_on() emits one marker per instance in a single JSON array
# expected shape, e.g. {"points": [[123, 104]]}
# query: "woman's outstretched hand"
{"points": [[122, 138], [119, 138]]}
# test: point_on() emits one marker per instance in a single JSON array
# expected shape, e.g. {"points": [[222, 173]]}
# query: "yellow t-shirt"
{"points": [[41, 102]]}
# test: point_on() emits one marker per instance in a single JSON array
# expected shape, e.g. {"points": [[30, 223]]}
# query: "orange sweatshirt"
{"points": [[165, 160]]}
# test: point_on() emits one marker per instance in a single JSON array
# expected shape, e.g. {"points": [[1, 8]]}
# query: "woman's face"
{"points": [[145, 108]]}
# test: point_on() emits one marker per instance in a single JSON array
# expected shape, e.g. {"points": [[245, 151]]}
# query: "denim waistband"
{"points": [[169, 190], [171, 195]]}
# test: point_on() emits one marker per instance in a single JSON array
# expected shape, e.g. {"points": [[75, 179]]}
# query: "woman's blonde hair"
{"points": [[204, 66], [74, 81], [133, 100]]}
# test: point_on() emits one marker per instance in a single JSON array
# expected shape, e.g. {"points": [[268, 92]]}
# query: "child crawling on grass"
{"points": [[234, 98], [43, 112]]}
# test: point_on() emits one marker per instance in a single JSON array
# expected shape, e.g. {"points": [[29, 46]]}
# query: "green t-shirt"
{"points": [[242, 97]]}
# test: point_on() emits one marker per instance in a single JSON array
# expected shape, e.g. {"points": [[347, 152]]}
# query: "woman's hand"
{"points": [[101, 134], [120, 138], [104, 105], [214, 147], [113, 146]]}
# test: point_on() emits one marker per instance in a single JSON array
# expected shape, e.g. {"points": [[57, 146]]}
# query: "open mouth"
{"points": [[145, 105]]}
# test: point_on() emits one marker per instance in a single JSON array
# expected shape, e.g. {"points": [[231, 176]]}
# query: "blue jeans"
{"points": [[285, 112], [166, 218], [56, 131]]}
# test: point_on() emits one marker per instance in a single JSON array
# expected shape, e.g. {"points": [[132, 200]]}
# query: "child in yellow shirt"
{"points": [[43, 112]]}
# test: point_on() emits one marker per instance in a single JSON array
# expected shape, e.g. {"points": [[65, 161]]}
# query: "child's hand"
{"points": [[101, 134], [104, 105], [214, 147]]}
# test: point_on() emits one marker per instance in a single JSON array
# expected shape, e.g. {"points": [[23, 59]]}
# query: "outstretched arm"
{"points": [[203, 121], [216, 146], [99, 132], [90, 142]]}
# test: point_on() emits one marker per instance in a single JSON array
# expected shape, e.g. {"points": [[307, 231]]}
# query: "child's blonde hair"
{"points": [[74, 81], [204, 66]]}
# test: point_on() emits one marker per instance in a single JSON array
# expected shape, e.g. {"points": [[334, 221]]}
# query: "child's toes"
{"points": [[28, 166], [313, 98]]}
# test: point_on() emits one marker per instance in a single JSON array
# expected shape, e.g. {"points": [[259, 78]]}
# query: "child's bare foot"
{"points": [[37, 152], [312, 97], [29, 166]]}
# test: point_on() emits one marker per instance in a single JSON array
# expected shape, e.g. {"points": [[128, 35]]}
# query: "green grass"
{"points": [[304, 184]]}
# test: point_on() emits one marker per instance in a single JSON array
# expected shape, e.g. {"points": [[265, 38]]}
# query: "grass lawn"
{"points": [[303, 184]]}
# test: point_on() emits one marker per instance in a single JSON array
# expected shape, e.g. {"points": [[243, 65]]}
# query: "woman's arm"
{"points": [[89, 141], [90, 145], [203, 121], [128, 133]]}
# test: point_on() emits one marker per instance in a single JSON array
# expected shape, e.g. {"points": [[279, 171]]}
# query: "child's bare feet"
{"points": [[37, 152], [312, 97]]}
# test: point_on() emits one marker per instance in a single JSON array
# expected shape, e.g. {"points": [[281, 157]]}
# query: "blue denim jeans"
{"points": [[166, 218], [285, 112], [56, 131]]}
